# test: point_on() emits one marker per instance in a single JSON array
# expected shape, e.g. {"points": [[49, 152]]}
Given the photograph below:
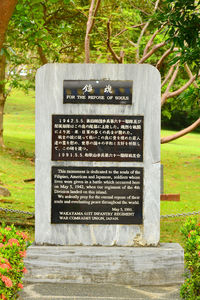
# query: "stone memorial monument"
{"points": [[98, 177]]}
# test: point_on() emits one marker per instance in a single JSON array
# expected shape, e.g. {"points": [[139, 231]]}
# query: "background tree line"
{"points": [[164, 34]]}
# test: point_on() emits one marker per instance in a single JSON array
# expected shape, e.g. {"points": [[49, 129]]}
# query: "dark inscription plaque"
{"points": [[97, 138], [97, 195], [97, 91]]}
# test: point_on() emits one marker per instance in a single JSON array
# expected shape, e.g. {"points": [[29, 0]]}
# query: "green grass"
{"points": [[17, 160], [19, 127], [170, 229], [181, 160], [13, 171]]}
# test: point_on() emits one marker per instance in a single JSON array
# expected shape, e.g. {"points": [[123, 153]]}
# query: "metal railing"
{"points": [[162, 216]]}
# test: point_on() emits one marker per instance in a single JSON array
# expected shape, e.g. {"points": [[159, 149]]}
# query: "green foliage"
{"points": [[170, 229], [123, 16], [41, 32], [183, 110], [13, 245], [52, 25], [182, 21], [191, 288]]}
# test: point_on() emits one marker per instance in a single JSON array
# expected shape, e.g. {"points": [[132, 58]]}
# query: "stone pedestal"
{"points": [[83, 246], [162, 265]]}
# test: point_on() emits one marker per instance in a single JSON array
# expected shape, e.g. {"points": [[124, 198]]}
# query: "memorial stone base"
{"points": [[137, 266], [98, 178]]}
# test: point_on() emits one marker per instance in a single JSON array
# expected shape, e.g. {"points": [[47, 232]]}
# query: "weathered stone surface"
{"points": [[4, 192], [77, 291], [136, 266], [146, 102]]}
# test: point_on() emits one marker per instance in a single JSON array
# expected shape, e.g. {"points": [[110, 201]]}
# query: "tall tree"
{"points": [[116, 31], [6, 10], [162, 39], [38, 32]]}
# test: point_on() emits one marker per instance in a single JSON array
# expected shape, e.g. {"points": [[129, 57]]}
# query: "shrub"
{"points": [[191, 232], [13, 245]]}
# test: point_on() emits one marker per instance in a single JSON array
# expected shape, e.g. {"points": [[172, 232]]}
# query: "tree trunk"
{"points": [[90, 24], [2, 96], [6, 10], [43, 58]]}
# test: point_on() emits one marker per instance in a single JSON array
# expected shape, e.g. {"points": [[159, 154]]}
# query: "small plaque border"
{"points": [[98, 101]]}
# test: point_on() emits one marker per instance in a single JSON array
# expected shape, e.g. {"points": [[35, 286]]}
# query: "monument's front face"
{"points": [[97, 155]]}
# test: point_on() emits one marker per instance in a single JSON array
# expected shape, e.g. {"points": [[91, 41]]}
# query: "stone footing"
{"points": [[163, 265]]}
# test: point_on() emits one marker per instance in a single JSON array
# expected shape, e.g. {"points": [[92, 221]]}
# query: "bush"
{"points": [[182, 111], [13, 245], [191, 288]]}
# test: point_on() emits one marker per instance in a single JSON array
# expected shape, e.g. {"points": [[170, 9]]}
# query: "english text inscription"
{"points": [[97, 195]]}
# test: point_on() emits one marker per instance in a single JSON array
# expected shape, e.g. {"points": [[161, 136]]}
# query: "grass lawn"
{"points": [[17, 160], [181, 160]]}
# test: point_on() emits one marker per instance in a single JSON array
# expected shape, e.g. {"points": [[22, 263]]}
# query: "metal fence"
{"points": [[162, 216]]}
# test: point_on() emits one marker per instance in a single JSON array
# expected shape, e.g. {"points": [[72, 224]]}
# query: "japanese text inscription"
{"points": [[97, 138], [97, 91]]}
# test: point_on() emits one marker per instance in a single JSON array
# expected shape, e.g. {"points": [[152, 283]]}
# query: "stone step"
{"points": [[163, 265]]}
